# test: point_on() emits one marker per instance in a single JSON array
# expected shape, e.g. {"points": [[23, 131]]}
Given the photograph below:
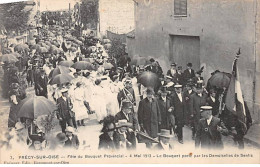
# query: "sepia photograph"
{"points": [[130, 82]]}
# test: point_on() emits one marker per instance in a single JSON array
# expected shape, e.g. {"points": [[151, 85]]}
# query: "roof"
{"points": [[131, 34]]}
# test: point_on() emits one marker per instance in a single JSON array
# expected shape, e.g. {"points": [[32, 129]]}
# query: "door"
{"points": [[185, 49]]}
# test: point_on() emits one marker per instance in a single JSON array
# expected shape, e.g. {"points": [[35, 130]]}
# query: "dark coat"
{"points": [[178, 109], [12, 119], [179, 78], [74, 142], [169, 73], [195, 103], [187, 75], [149, 115], [130, 137], [42, 83], [160, 147], [105, 142], [207, 136], [64, 108], [187, 106], [131, 118], [214, 105], [151, 68], [166, 116]]}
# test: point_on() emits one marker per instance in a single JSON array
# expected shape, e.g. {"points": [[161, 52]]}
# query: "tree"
{"points": [[89, 12], [117, 51], [14, 16]]}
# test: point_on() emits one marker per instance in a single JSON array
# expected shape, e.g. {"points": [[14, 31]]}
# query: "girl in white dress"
{"points": [[79, 108], [99, 103], [114, 88]]}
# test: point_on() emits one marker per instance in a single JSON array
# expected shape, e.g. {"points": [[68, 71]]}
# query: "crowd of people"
{"points": [[83, 80]]}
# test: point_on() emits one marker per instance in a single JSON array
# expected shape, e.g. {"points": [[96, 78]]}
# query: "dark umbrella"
{"points": [[21, 47], [219, 80], [10, 58], [59, 70], [149, 79], [35, 106], [83, 65], [66, 63], [61, 79]]}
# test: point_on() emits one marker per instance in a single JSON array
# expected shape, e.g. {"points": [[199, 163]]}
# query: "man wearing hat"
{"points": [[189, 72], [151, 67], [125, 139], [166, 108], [149, 115], [164, 138], [213, 102], [65, 113], [127, 92], [179, 76], [187, 92], [171, 72], [197, 100], [72, 139], [210, 128], [41, 84], [178, 104]]}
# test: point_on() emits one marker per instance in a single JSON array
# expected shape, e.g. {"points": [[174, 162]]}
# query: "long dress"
{"points": [[79, 108], [99, 103], [136, 90], [114, 106]]}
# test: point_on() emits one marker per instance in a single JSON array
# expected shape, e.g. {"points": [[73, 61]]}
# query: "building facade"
{"points": [[204, 32]]}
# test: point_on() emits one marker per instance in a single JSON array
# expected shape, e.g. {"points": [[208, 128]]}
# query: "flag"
{"points": [[234, 99]]}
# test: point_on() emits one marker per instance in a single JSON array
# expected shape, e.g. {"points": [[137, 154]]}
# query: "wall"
{"points": [[116, 16], [222, 25]]}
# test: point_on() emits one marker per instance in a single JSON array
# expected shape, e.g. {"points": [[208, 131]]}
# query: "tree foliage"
{"points": [[89, 12], [14, 16]]}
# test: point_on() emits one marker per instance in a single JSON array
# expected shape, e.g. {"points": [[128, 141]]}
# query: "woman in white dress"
{"points": [[114, 88], [79, 108], [99, 102]]}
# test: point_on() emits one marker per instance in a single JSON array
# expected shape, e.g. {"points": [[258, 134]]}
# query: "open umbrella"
{"points": [[219, 80], [59, 70], [61, 79], [21, 47], [10, 58], [66, 63], [83, 65], [149, 79], [34, 106], [107, 66]]}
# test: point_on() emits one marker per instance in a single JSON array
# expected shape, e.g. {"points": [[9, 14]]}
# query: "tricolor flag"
{"points": [[234, 99]]}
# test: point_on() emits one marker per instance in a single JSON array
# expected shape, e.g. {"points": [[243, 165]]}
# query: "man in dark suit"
{"points": [[127, 113], [166, 107], [188, 73], [164, 138], [213, 102], [72, 141], [149, 115], [77, 58], [178, 104], [65, 113], [127, 92], [171, 72], [187, 92], [179, 76], [41, 84], [197, 100], [210, 128]]}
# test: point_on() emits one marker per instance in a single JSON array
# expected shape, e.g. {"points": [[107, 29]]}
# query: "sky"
{"points": [[52, 5]]}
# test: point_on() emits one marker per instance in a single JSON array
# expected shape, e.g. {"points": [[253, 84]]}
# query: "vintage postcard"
{"points": [[129, 81]]}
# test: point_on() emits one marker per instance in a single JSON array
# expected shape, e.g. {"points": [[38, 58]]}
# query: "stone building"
{"points": [[204, 32]]}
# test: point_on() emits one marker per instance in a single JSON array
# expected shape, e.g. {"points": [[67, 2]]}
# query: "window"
{"points": [[180, 8]]}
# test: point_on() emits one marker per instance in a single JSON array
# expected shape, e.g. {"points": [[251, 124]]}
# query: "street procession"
{"points": [[68, 89]]}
